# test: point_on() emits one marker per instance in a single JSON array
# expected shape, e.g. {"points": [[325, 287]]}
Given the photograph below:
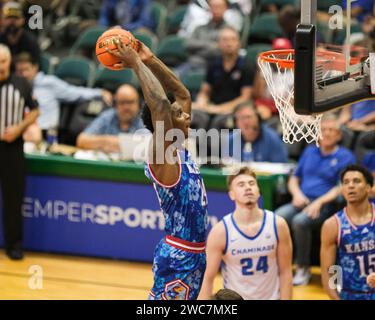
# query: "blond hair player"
{"points": [[254, 245]]}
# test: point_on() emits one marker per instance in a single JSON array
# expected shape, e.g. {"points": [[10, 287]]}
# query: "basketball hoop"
{"points": [[278, 70]]}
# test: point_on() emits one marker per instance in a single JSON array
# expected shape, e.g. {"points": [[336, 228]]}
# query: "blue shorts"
{"points": [[178, 273], [344, 295]]}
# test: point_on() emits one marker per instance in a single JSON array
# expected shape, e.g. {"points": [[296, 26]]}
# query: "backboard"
{"points": [[326, 78]]}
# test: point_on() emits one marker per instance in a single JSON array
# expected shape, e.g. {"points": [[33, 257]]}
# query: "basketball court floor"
{"points": [[76, 278]]}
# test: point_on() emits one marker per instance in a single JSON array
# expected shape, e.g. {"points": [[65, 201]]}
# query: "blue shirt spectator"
{"points": [[315, 192], [362, 109], [360, 8], [359, 116], [108, 123], [319, 173], [268, 147], [102, 133], [369, 162], [129, 14], [50, 91], [258, 142]]}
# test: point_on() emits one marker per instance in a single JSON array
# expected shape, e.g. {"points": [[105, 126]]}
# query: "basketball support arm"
{"points": [[311, 96]]}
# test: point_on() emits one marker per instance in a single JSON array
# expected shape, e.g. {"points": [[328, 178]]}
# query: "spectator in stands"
{"points": [[368, 160], [50, 91], [202, 45], [360, 8], [14, 34], [33, 134], [369, 163], [289, 18], [130, 15], [228, 82], [258, 141], [213, 14], [360, 116], [102, 133], [314, 187]]}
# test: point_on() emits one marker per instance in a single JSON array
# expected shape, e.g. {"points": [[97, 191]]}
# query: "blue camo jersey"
{"points": [[178, 274], [356, 256]]}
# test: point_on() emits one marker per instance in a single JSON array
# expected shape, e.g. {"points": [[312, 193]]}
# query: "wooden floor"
{"points": [[68, 277]]}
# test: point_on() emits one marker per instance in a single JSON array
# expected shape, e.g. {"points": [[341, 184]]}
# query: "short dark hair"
{"points": [[243, 170], [226, 294], [246, 105], [26, 57], [146, 113], [356, 167], [147, 118]]}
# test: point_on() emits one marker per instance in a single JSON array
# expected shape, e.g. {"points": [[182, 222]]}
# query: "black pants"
{"points": [[12, 183]]}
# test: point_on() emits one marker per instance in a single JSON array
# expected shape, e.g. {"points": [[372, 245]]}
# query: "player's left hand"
{"points": [[371, 280], [144, 52], [126, 53], [313, 209]]}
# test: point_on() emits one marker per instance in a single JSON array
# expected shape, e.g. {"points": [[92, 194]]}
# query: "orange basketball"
{"points": [[106, 40]]}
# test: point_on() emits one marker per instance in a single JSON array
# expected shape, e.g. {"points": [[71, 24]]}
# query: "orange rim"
{"points": [[283, 62]]}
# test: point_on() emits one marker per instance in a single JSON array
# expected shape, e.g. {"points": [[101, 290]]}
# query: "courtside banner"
{"points": [[98, 218]]}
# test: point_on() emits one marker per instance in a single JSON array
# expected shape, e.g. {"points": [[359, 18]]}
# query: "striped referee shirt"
{"points": [[15, 95]]}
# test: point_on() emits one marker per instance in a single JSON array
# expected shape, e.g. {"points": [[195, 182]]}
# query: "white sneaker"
{"points": [[302, 277]]}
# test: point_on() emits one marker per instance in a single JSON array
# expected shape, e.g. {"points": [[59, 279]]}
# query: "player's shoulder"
{"points": [[331, 226], [280, 224], [217, 237], [219, 228]]}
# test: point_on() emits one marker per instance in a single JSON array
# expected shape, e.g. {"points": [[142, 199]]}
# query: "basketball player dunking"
{"points": [[179, 258], [348, 239], [254, 245]]}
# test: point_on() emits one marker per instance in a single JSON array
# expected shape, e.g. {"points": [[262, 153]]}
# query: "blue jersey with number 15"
{"points": [[356, 256]]}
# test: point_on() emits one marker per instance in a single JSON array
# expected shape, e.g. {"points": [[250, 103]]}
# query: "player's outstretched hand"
{"points": [[371, 280], [126, 53], [144, 52]]}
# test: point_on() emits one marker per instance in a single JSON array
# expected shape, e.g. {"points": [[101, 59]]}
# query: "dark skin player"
{"points": [[156, 80]]}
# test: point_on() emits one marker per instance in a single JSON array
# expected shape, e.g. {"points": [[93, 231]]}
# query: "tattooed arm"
{"points": [[161, 111], [167, 78]]}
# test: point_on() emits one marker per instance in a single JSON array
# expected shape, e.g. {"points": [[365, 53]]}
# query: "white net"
{"points": [[280, 81]]}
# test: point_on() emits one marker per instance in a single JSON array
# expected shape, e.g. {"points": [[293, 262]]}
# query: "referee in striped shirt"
{"points": [[15, 96]]}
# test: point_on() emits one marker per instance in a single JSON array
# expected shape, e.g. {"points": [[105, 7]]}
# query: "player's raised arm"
{"points": [[284, 259], [153, 92], [167, 78], [215, 249], [166, 170], [328, 254]]}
